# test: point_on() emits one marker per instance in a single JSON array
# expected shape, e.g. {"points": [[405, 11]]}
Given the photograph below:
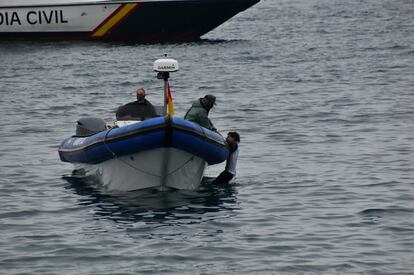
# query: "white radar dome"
{"points": [[166, 65]]}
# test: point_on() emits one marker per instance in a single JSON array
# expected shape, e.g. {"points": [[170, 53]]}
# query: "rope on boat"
{"points": [[148, 173], [192, 157], [125, 162]]}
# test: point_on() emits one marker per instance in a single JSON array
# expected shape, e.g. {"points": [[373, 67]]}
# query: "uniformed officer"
{"points": [[140, 109], [199, 110]]}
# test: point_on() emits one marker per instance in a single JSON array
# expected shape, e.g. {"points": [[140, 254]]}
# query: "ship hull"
{"points": [[162, 169], [162, 20]]}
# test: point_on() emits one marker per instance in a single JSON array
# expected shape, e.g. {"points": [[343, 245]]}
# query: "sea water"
{"points": [[322, 94]]}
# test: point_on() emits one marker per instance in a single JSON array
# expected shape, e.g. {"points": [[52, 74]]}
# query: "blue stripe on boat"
{"points": [[150, 134]]}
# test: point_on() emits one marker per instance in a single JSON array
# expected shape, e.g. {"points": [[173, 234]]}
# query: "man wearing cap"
{"points": [[199, 110], [140, 109]]}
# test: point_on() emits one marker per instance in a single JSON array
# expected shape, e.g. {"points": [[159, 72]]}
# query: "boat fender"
{"points": [[87, 126]]}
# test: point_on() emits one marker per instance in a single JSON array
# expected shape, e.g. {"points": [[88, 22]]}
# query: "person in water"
{"points": [[233, 139], [199, 110], [140, 109]]}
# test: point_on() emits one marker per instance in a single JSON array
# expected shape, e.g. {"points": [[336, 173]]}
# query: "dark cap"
{"points": [[211, 99]]}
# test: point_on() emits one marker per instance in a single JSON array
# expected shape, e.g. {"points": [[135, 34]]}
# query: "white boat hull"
{"points": [[161, 168]]}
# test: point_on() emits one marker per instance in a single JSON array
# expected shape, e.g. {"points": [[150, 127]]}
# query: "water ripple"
{"points": [[322, 94]]}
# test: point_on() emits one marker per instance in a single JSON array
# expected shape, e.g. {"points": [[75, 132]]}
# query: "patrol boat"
{"points": [[135, 20], [162, 152]]}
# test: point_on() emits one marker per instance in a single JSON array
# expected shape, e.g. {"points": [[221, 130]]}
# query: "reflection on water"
{"points": [[153, 206]]}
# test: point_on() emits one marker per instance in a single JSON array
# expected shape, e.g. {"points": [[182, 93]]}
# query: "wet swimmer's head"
{"points": [[233, 138], [140, 95], [209, 101]]}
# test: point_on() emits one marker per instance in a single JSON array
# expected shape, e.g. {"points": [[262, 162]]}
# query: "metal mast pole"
{"points": [[166, 75]]}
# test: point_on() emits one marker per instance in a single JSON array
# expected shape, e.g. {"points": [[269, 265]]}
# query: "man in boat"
{"points": [[199, 110], [233, 139], [140, 109]]}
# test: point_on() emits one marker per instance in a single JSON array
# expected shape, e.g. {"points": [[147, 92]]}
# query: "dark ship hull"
{"points": [[158, 20]]}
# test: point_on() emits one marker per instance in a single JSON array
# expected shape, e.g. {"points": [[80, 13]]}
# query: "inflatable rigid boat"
{"points": [[161, 152], [138, 20]]}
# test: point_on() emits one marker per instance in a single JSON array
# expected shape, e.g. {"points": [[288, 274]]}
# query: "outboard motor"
{"points": [[89, 125]]}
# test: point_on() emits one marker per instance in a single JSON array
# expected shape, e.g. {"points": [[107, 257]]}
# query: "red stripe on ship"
{"points": [[108, 18], [128, 14], [115, 25]]}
